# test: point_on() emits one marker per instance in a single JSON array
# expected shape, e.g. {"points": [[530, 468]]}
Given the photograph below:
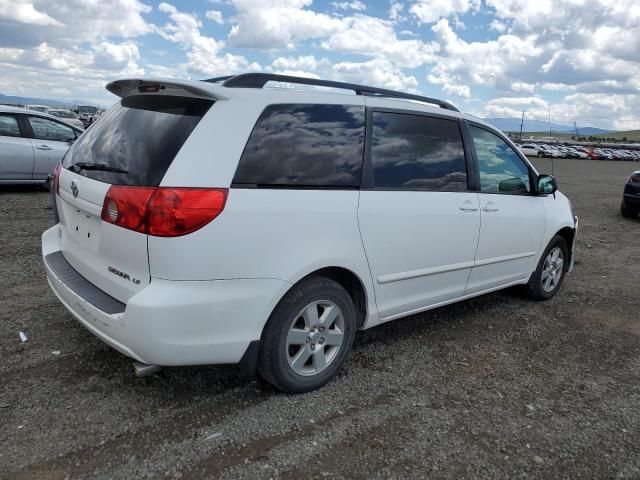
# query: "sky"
{"points": [[580, 59]]}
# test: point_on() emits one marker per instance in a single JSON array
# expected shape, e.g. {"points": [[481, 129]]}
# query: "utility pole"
{"points": [[575, 127], [521, 125], [549, 107]]}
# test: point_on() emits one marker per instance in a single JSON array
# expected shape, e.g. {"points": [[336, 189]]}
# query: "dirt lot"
{"points": [[496, 387]]}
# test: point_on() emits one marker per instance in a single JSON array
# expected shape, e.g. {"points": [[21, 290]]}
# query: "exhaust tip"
{"points": [[144, 369]]}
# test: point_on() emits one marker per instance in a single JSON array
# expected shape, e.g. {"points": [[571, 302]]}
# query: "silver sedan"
{"points": [[31, 143]]}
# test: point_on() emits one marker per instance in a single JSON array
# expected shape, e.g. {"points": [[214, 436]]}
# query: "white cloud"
{"points": [[491, 64], [24, 12], [377, 38], [88, 21], [395, 11], [498, 26], [352, 5], [215, 16], [620, 112], [202, 52], [278, 24], [451, 85], [430, 11], [111, 56], [523, 87], [376, 72]]}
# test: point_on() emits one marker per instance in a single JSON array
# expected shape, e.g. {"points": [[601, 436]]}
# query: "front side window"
{"points": [[416, 152], [304, 145], [9, 126], [501, 168], [44, 129]]}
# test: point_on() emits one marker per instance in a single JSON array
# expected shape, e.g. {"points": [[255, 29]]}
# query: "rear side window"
{"points": [[415, 152], [304, 146], [45, 129], [135, 141], [9, 126]]}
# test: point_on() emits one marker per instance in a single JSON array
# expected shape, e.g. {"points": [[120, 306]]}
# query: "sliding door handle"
{"points": [[488, 208]]}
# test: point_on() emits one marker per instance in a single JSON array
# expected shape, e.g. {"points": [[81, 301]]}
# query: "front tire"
{"points": [[628, 212], [308, 336], [548, 277]]}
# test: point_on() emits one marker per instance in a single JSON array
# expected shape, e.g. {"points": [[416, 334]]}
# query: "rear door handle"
{"points": [[490, 207], [468, 206], [44, 147]]}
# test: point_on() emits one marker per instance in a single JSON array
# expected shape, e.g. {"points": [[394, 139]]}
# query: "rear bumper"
{"points": [[173, 323]]}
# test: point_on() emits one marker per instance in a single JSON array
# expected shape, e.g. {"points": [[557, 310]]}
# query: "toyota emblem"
{"points": [[74, 189]]}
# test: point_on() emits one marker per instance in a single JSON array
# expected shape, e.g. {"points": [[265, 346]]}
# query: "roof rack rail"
{"points": [[218, 79], [259, 80]]}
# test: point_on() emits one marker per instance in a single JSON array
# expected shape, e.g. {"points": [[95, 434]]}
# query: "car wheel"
{"points": [[628, 212], [308, 336], [540, 154], [546, 280]]}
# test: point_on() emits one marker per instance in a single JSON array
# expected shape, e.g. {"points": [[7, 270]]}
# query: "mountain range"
{"points": [[513, 125], [17, 100]]}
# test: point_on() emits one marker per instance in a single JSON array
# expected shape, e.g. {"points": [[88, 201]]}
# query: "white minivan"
{"points": [[226, 222]]}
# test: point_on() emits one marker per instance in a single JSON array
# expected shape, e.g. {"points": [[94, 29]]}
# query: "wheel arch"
{"points": [[360, 292], [351, 282], [569, 235]]}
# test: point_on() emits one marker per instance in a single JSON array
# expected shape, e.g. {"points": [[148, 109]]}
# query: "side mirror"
{"points": [[546, 185]]}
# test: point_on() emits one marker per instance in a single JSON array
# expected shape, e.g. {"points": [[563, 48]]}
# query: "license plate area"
{"points": [[83, 228]]}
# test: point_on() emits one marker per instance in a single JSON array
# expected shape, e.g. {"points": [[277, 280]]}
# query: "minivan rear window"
{"points": [[136, 140]]}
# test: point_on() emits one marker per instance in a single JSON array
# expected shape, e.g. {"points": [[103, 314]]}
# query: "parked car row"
{"points": [[78, 115], [87, 113], [566, 151]]}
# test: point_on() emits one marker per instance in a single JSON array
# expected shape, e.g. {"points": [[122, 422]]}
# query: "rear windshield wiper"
{"points": [[103, 167]]}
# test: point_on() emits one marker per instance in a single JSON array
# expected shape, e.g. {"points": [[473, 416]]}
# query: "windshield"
{"points": [[135, 141], [85, 109]]}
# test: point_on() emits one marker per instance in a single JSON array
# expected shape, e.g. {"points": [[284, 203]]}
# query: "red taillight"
{"points": [[162, 211], [56, 178], [127, 207], [177, 211]]}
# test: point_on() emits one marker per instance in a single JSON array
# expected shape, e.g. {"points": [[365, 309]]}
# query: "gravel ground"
{"points": [[495, 387]]}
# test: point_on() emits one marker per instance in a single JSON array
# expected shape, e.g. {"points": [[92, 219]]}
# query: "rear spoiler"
{"points": [[136, 86]]}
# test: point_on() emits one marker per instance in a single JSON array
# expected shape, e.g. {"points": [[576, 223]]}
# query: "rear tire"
{"points": [[628, 212], [554, 263], [308, 336]]}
